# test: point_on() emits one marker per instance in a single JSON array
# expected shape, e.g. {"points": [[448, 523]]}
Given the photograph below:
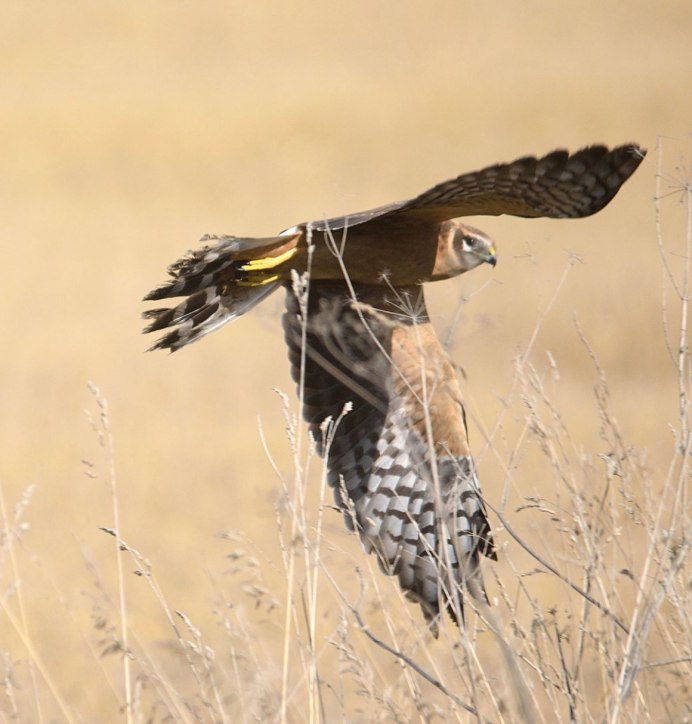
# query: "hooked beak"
{"points": [[492, 256]]}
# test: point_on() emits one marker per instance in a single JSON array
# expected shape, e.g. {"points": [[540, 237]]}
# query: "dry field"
{"points": [[130, 129]]}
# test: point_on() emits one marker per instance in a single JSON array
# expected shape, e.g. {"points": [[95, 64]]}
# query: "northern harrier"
{"points": [[378, 391]]}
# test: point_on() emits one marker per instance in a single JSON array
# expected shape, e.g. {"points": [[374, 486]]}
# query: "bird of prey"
{"points": [[381, 397]]}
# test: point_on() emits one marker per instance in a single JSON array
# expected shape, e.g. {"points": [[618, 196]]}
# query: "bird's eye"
{"points": [[470, 242]]}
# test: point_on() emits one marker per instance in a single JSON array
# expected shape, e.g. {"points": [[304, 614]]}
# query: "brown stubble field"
{"points": [[131, 129]]}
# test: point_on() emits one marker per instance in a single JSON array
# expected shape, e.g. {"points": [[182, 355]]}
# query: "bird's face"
{"points": [[461, 248], [473, 247]]}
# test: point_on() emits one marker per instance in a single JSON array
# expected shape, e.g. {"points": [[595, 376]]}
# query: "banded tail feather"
{"points": [[220, 282]]}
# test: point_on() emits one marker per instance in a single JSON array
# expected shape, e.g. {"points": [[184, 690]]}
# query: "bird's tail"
{"points": [[220, 282]]}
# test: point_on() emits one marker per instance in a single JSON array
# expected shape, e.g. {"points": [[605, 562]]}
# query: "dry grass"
{"points": [[129, 132], [299, 642]]}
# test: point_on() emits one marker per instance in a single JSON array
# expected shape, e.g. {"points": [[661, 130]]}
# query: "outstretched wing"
{"points": [[384, 406], [558, 185]]}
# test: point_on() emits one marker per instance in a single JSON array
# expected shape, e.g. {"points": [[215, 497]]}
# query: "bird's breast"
{"points": [[424, 380]]}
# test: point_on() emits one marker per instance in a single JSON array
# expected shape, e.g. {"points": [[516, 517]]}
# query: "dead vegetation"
{"points": [[318, 634]]}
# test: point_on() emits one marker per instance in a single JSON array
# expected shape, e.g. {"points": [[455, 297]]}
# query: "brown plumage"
{"points": [[381, 398]]}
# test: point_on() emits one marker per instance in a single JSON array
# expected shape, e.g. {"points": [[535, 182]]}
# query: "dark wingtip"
{"points": [[611, 166], [635, 148], [630, 151]]}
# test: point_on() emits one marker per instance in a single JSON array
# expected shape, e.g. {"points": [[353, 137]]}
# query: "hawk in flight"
{"points": [[380, 395]]}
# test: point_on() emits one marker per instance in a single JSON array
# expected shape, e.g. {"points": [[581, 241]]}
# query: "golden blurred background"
{"points": [[131, 129]]}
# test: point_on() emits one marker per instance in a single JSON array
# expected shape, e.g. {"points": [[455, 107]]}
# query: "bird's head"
{"points": [[461, 248]]}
